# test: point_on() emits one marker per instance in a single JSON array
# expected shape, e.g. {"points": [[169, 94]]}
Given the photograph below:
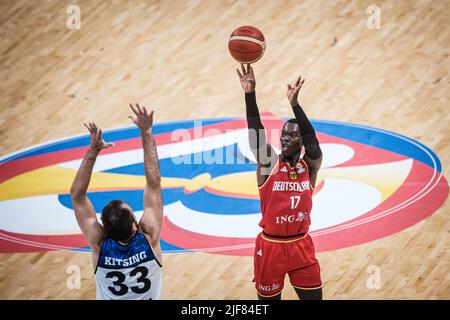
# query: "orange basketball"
{"points": [[247, 44]]}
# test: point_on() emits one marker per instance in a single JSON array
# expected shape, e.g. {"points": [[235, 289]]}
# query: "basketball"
{"points": [[247, 44]]}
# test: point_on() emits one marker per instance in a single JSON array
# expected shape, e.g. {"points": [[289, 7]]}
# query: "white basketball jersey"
{"points": [[128, 272]]}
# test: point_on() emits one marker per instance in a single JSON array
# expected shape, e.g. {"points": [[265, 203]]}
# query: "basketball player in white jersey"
{"points": [[126, 255]]}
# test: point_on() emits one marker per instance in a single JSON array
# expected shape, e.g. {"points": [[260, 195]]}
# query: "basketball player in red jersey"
{"points": [[286, 185]]}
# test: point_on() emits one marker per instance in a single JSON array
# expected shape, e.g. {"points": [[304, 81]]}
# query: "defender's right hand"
{"points": [[247, 78], [143, 119]]}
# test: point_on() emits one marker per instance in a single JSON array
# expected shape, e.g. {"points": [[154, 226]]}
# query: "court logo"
{"points": [[372, 184]]}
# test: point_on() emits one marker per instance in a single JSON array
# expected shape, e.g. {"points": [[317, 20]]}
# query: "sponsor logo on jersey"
{"points": [[291, 218], [268, 287], [372, 183], [300, 169]]}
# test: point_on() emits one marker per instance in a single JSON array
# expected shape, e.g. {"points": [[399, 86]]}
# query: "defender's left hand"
{"points": [[97, 142]]}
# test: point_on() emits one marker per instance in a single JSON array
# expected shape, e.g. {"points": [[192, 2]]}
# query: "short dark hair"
{"points": [[293, 120], [117, 220]]}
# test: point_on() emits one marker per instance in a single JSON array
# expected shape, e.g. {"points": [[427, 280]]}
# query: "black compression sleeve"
{"points": [[312, 148], [257, 135], [253, 118], [305, 126]]}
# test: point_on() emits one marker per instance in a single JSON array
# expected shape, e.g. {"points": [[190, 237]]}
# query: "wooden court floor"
{"points": [[172, 56]]}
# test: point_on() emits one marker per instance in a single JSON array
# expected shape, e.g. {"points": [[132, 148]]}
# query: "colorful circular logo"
{"points": [[372, 183]]}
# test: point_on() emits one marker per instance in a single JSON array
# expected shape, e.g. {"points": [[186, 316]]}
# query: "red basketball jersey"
{"points": [[286, 200]]}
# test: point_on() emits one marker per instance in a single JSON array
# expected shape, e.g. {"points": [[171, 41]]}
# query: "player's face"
{"points": [[291, 141]]}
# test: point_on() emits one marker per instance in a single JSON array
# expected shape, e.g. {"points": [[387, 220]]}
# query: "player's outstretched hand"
{"points": [[97, 142], [293, 90], [247, 78], [143, 119]]}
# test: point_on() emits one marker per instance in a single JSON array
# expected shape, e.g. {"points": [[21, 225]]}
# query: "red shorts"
{"points": [[275, 257]]}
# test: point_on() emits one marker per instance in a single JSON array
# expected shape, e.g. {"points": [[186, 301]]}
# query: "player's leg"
{"points": [[269, 269], [309, 294], [304, 271]]}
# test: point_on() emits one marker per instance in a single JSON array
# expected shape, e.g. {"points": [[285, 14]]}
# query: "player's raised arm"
{"points": [[265, 156], [151, 220], [313, 153], [84, 210]]}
